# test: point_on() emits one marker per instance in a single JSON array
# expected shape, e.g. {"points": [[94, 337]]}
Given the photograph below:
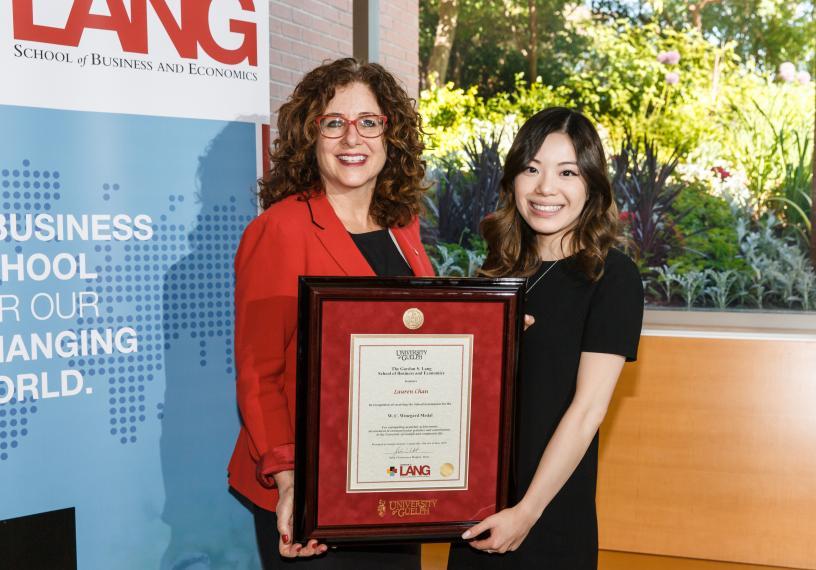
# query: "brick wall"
{"points": [[399, 41], [304, 33]]}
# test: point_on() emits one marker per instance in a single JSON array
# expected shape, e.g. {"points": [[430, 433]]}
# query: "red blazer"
{"points": [[291, 238]]}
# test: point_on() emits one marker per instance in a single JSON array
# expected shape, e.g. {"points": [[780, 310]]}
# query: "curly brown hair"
{"points": [[294, 169], [511, 242]]}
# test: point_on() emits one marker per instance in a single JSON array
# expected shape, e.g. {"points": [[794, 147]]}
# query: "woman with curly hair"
{"points": [[556, 225], [341, 198]]}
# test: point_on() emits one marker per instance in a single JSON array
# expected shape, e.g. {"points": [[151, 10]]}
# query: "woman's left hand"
{"points": [[508, 529]]}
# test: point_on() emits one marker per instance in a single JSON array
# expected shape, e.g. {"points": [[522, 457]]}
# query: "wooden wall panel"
{"points": [[709, 451]]}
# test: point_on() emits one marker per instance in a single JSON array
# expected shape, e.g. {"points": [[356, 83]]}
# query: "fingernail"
{"points": [[298, 547], [286, 539], [466, 534]]}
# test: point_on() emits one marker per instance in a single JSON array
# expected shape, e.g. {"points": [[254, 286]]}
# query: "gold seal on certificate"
{"points": [[413, 319], [409, 412]]}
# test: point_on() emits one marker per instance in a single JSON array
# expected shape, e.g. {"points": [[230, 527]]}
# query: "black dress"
{"points": [[385, 259], [573, 315]]}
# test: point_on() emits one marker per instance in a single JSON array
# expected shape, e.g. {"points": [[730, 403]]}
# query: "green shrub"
{"points": [[736, 233], [453, 260], [707, 232]]}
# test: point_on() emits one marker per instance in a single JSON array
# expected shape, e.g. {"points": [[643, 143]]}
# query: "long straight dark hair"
{"points": [[511, 242]]}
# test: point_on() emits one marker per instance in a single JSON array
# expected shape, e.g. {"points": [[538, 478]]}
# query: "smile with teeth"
{"points": [[549, 209], [351, 158]]}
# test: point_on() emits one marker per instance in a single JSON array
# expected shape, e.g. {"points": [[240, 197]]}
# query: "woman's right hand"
{"points": [[285, 482]]}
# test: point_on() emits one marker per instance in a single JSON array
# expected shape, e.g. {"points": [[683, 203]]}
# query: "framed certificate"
{"points": [[405, 405]]}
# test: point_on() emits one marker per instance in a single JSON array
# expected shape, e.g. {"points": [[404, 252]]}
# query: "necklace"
{"points": [[530, 288]]}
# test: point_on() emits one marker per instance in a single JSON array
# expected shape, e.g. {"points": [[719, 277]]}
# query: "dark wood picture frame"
{"points": [[508, 293]]}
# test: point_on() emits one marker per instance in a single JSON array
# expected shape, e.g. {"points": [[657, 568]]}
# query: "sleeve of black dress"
{"points": [[616, 310]]}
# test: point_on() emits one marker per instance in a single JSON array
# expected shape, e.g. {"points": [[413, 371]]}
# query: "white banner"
{"points": [[202, 59], [130, 149]]}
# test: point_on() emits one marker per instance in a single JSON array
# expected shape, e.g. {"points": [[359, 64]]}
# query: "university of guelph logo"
{"points": [[187, 35]]}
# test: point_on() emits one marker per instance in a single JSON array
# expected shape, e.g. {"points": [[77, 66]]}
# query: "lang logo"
{"points": [[414, 470], [187, 35], [391, 471]]}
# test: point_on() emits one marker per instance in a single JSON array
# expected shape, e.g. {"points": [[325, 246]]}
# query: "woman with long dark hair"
{"points": [[556, 224]]}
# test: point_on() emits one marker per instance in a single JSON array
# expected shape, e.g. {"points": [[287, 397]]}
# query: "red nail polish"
{"points": [[286, 539]]}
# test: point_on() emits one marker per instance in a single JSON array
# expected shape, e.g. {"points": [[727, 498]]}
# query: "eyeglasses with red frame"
{"points": [[336, 126]]}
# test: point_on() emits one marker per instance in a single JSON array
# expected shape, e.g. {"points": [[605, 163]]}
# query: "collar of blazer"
{"points": [[333, 235]]}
